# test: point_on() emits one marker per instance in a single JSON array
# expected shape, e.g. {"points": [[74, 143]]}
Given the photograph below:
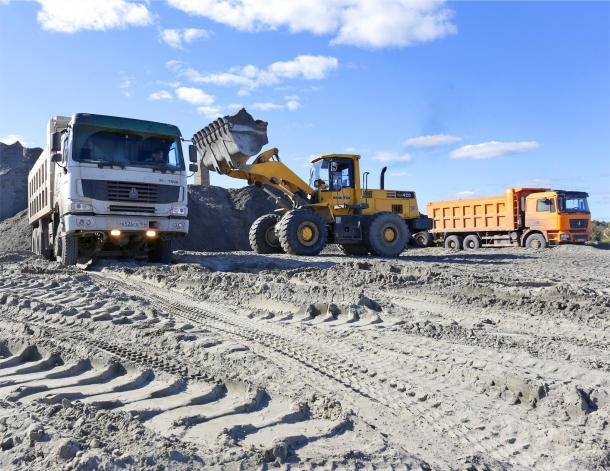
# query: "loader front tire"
{"points": [[66, 249], [262, 236], [357, 250], [388, 235], [301, 232]]}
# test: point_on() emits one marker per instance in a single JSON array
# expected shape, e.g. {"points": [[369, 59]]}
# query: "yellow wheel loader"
{"points": [[332, 208]]}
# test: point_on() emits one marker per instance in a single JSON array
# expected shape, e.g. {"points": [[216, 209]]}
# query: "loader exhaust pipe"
{"points": [[382, 178]]}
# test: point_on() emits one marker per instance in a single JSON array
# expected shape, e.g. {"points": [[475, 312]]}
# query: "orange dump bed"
{"points": [[491, 213]]}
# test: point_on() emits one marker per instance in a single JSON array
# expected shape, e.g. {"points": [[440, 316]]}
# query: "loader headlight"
{"points": [[564, 236], [180, 211], [79, 206]]}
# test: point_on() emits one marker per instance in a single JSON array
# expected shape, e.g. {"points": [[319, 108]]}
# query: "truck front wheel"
{"points": [[535, 241], [66, 249], [421, 239]]}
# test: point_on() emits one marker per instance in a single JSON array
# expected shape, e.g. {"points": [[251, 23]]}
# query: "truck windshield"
{"points": [[572, 203], [104, 146]]}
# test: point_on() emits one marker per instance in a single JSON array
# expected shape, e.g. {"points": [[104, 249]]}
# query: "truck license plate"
{"points": [[134, 224]]}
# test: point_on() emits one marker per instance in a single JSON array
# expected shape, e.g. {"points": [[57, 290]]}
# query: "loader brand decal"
{"points": [[399, 194]]}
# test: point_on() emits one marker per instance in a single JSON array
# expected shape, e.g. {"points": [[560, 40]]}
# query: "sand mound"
{"points": [[15, 163], [15, 232]]}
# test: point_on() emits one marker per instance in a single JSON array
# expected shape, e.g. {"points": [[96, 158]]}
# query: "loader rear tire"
{"points": [[301, 232], [357, 250], [421, 239], [262, 236], [536, 241], [387, 235], [454, 242], [66, 249], [161, 251]]}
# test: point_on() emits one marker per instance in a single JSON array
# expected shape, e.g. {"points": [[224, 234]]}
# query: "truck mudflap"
{"points": [[86, 223], [227, 143]]}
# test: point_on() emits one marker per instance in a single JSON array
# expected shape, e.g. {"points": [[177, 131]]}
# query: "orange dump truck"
{"points": [[527, 217]]}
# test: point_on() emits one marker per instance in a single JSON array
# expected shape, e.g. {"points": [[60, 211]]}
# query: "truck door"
{"points": [[541, 213]]}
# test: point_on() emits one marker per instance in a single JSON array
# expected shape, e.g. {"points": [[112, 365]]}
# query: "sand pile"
{"points": [[15, 163]]}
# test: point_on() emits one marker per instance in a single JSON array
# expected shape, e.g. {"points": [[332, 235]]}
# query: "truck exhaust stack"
{"points": [[227, 143]]}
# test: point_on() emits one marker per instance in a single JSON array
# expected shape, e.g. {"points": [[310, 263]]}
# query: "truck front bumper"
{"points": [[573, 237], [75, 223]]}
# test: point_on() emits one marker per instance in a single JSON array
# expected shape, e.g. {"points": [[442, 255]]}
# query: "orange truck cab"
{"points": [[531, 217]]}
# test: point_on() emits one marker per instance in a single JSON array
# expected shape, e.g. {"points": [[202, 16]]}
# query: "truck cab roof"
{"points": [[127, 124]]}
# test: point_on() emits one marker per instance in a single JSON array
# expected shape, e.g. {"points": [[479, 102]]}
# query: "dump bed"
{"points": [[484, 214]]}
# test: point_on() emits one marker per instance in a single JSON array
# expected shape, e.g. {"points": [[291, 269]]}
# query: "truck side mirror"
{"points": [[193, 153], [56, 158], [56, 142], [193, 167]]}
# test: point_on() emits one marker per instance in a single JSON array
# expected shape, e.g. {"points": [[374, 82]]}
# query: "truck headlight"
{"points": [[76, 206], [179, 211], [564, 236]]}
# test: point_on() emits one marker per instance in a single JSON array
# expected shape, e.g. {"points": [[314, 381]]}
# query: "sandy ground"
{"points": [[496, 359]]}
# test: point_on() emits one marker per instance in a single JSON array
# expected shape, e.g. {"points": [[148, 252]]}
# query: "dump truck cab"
{"points": [[108, 184], [562, 216]]}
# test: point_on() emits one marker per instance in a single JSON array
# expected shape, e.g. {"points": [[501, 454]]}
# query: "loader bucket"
{"points": [[227, 143]]}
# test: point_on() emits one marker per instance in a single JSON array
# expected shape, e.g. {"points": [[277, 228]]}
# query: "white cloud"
{"points": [[12, 138], [160, 95], [489, 150], [392, 157], [195, 96], [249, 77], [292, 102], [431, 140], [70, 16], [366, 23], [532, 183], [211, 112], [399, 174], [175, 37], [126, 84], [464, 194], [266, 106]]}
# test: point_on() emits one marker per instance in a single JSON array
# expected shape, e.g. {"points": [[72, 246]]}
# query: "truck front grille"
{"points": [[131, 209], [132, 192], [579, 223]]}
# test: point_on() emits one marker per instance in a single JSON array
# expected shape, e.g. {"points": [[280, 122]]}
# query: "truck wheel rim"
{"points": [[389, 234], [308, 233], [271, 237]]}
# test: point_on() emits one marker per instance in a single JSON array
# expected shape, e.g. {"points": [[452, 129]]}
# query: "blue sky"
{"points": [[459, 99]]}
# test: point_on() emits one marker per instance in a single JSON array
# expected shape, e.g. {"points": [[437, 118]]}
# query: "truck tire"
{"points": [[453, 242], [301, 232], [66, 249], [388, 235], [421, 239], [354, 249], [535, 241], [262, 236], [161, 251], [472, 242]]}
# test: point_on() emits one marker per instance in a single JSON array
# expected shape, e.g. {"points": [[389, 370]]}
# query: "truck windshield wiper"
{"points": [[110, 164]]}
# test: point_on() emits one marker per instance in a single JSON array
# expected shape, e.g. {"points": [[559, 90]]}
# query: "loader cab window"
{"points": [[334, 173], [545, 205]]}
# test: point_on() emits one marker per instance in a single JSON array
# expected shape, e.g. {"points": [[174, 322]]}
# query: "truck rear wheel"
{"points": [[262, 236], [301, 232], [388, 235], [161, 251], [421, 239], [453, 242], [472, 242], [66, 249], [535, 241], [354, 249]]}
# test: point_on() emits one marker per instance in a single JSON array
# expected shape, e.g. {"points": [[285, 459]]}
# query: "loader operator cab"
{"points": [[332, 174]]}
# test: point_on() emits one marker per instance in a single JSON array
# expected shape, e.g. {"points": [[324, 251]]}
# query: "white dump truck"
{"points": [[106, 185]]}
